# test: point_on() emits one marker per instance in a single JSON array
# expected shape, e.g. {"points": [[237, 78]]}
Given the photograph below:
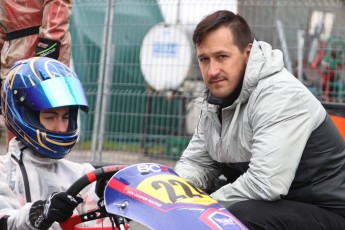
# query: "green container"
{"points": [[174, 147]]}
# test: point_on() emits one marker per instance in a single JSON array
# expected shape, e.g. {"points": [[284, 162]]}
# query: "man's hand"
{"points": [[58, 207], [48, 48]]}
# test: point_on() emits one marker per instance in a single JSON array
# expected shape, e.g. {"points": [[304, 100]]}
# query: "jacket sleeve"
{"points": [[281, 124], [13, 208], [10, 206], [55, 20], [196, 165]]}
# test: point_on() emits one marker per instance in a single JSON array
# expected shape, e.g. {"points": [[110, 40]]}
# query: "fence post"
{"points": [[103, 77]]}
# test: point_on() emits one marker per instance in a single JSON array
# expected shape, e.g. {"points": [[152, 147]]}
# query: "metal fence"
{"points": [[137, 63]]}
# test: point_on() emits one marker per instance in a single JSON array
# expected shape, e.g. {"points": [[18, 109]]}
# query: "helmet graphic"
{"points": [[37, 84]]}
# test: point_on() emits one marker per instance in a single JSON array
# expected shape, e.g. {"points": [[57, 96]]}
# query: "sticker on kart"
{"points": [[157, 197]]}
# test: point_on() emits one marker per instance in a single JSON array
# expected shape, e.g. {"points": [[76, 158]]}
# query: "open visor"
{"points": [[53, 93]]}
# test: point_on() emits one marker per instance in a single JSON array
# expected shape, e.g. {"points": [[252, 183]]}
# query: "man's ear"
{"points": [[248, 49]]}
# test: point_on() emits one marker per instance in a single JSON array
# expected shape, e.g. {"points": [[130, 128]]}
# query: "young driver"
{"points": [[41, 98]]}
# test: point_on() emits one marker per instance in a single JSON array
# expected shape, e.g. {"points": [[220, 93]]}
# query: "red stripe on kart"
{"points": [[117, 185], [138, 195]]}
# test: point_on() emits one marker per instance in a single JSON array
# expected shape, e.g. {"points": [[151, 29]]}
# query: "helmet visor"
{"points": [[53, 93]]}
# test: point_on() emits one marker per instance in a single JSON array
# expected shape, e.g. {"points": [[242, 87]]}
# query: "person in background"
{"points": [[41, 98], [262, 129], [33, 28]]}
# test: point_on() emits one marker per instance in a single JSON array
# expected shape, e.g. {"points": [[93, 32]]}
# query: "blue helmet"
{"points": [[37, 84]]}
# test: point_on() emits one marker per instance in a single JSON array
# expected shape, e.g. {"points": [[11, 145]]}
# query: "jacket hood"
{"points": [[262, 63]]}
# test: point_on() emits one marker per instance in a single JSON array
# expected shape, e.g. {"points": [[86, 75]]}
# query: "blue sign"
{"points": [[165, 49]]}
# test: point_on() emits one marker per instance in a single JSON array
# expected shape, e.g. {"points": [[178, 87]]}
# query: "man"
{"points": [[265, 132], [40, 101]]}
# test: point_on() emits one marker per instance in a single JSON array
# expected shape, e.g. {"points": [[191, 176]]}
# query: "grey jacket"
{"points": [[269, 128]]}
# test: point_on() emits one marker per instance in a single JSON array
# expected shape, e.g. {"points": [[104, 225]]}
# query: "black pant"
{"points": [[285, 214]]}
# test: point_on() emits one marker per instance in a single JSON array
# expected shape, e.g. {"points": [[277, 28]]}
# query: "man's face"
{"points": [[222, 64], [55, 120]]}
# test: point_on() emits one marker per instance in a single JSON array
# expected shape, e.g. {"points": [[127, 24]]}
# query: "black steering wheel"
{"points": [[100, 175]]}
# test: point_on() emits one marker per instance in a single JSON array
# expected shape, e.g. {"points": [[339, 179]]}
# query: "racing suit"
{"points": [[274, 142], [23, 22], [44, 176]]}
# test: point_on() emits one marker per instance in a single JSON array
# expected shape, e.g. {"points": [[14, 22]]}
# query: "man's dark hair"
{"points": [[236, 24]]}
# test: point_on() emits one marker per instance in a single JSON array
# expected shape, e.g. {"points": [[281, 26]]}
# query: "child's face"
{"points": [[56, 119]]}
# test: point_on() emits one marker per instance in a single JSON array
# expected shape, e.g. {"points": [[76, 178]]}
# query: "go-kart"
{"points": [[152, 195]]}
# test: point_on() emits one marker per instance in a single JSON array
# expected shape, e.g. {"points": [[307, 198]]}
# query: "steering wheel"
{"points": [[100, 174]]}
